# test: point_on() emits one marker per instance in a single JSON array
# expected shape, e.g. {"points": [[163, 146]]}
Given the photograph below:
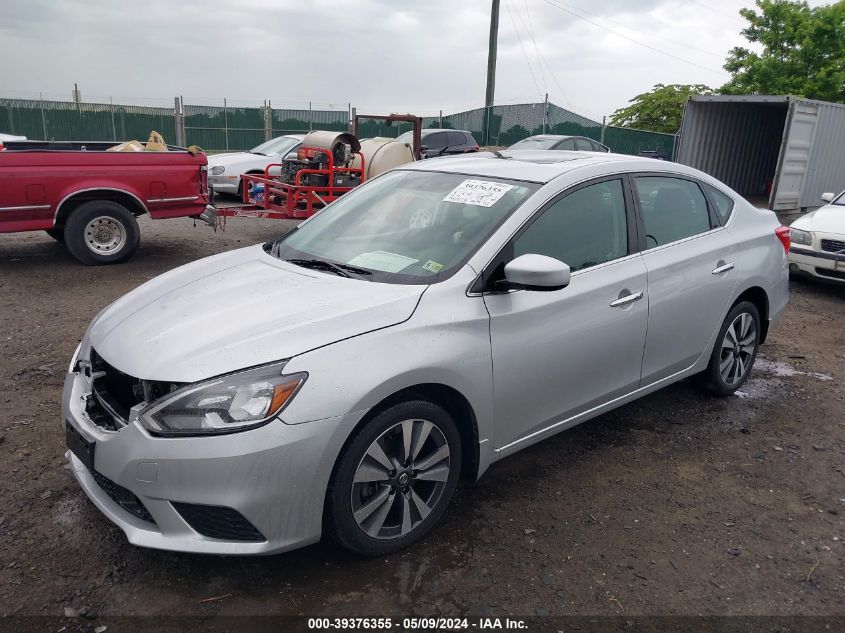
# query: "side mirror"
{"points": [[828, 197], [537, 272], [424, 147], [290, 156]]}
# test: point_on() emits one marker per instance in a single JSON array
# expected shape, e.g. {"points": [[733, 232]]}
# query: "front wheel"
{"points": [[735, 350], [395, 479], [102, 232]]}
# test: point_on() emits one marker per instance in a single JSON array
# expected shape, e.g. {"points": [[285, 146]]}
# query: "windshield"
{"points": [[839, 200], [535, 143], [276, 146], [404, 227]]}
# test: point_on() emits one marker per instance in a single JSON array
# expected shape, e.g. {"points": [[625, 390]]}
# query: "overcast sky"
{"points": [[381, 55]]}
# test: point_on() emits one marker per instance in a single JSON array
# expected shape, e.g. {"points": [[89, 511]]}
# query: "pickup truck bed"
{"points": [[89, 198]]}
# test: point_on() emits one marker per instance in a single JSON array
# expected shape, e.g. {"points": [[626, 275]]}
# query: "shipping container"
{"points": [[788, 149]]}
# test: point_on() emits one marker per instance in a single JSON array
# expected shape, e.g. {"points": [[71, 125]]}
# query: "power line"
{"points": [[542, 59], [631, 28], [631, 39], [524, 52], [530, 28]]}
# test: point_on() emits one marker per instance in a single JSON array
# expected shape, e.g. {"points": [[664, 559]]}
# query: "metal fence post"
{"points": [[310, 118], [603, 128], [268, 121], [179, 122], [226, 122], [441, 120], [43, 117], [545, 112], [353, 112], [349, 116], [113, 128]]}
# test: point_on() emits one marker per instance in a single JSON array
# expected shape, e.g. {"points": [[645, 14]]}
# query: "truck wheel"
{"points": [[102, 232], [57, 233]]}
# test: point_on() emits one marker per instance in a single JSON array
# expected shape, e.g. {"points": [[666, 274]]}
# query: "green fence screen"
{"points": [[218, 128]]}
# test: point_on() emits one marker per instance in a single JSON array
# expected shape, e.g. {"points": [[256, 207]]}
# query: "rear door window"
{"points": [[566, 144], [456, 139], [672, 209], [583, 145], [435, 141]]}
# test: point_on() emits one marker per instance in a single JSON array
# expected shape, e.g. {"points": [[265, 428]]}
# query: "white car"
{"points": [[224, 170], [818, 241]]}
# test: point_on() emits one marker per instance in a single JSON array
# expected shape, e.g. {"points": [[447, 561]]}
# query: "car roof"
{"points": [[538, 166], [553, 137], [431, 130]]}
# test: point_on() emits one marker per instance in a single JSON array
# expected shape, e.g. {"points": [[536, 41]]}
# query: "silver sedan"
{"points": [[429, 323]]}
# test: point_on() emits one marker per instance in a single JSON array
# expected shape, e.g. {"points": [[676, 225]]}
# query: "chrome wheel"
{"points": [[400, 479], [105, 235], [738, 347]]}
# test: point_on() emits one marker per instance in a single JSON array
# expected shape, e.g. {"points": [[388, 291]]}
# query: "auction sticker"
{"points": [[482, 193]]}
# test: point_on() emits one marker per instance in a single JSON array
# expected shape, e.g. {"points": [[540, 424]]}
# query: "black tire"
{"points": [[57, 233], [102, 232], [728, 350], [343, 492]]}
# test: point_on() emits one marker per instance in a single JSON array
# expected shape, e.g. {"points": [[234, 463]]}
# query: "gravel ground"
{"points": [[676, 504]]}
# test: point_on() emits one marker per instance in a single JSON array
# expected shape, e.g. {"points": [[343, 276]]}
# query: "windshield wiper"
{"points": [[342, 270]]}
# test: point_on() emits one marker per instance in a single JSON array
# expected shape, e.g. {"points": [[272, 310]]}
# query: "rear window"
{"points": [[724, 203], [457, 138]]}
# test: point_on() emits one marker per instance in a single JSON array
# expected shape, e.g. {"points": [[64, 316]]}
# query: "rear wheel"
{"points": [[395, 479], [735, 350], [102, 232]]}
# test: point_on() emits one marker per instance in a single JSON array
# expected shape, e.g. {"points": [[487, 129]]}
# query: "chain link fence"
{"points": [[222, 128]]}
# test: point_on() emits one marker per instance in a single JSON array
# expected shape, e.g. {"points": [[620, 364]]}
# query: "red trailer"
{"points": [[327, 165]]}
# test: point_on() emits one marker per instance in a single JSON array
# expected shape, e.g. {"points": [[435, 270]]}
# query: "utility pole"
{"points": [[491, 69]]}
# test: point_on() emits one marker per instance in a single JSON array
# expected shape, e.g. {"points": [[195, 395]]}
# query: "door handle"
{"points": [[623, 301], [723, 268]]}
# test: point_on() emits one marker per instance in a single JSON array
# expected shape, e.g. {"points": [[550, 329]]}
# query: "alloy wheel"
{"points": [[737, 350], [400, 479]]}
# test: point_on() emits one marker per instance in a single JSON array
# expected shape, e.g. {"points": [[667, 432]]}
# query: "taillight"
{"points": [[782, 233]]}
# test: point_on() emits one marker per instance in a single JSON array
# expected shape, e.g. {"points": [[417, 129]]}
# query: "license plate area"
{"points": [[79, 446]]}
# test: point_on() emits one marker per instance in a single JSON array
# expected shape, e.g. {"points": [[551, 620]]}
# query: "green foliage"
{"points": [[803, 51], [660, 109]]}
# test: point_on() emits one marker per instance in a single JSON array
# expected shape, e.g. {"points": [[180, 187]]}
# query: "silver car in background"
{"points": [[429, 323]]}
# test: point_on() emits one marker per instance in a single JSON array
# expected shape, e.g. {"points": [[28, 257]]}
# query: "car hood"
{"points": [[827, 219], [241, 159], [236, 310]]}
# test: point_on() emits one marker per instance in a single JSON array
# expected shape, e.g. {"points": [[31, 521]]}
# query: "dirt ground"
{"points": [[676, 504]]}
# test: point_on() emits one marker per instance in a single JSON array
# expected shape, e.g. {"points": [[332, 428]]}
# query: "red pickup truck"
{"points": [[89, 198]]}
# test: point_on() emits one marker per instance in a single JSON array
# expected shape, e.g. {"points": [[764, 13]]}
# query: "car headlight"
{"points": [[217, 170], [235, 402], [797, 236]]}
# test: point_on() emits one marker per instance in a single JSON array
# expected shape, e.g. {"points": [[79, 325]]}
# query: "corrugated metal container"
{"points": [[787, 148]]}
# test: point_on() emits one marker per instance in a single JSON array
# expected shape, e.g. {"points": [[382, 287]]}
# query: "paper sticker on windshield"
{"points": [[382, 260], [432, 266], [482, 193]]}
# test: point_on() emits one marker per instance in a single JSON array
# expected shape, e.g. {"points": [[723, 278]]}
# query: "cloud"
{"points": [[379, 55]]}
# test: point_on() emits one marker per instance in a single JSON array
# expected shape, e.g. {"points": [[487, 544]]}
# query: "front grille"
{"points": [[834, 274], [123, 497], [114, 393], [833, 246], [218, 522]]}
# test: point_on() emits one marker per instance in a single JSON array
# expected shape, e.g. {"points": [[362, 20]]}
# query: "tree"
{"points": [[803, 51], [660, 109]]}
